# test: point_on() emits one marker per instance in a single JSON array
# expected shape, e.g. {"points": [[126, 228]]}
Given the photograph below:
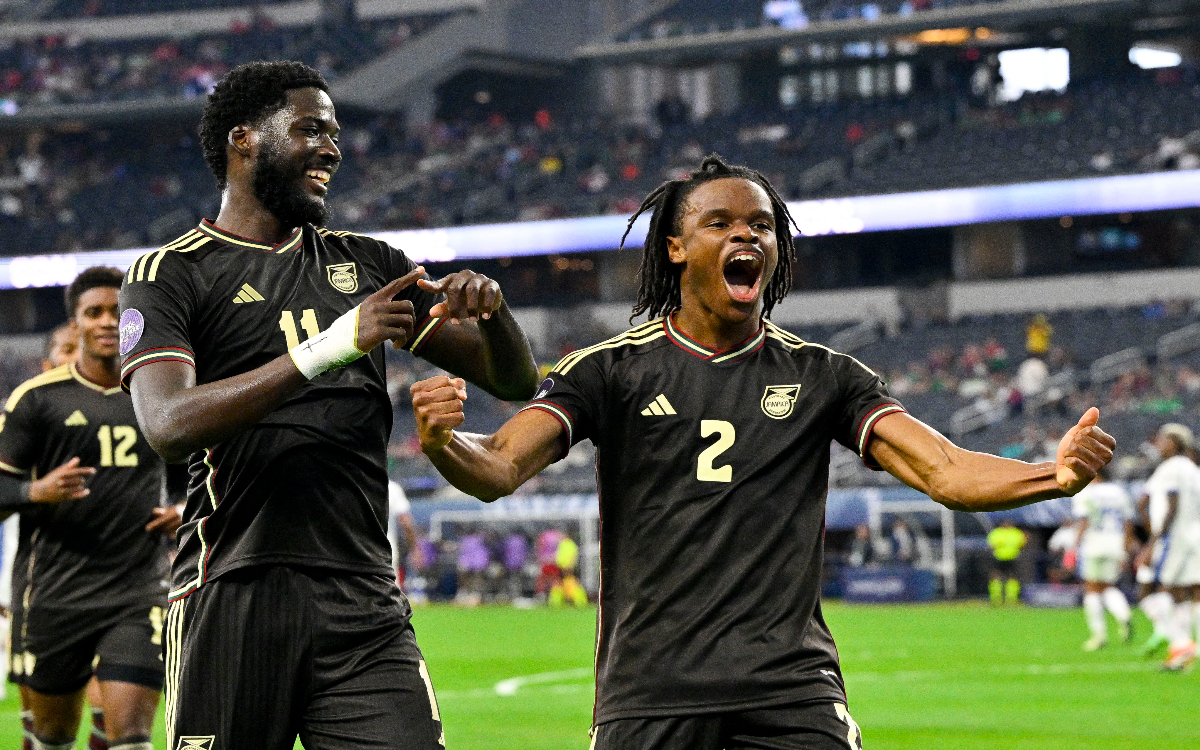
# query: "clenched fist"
{"points": [[1082, 452], [438, 406]]}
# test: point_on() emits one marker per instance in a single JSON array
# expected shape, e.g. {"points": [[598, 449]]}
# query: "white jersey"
{"points": [[1107, 507], [1175, 475], [398, 505]]}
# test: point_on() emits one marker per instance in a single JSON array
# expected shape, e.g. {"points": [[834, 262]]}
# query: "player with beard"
{"points": [[712, 430], [92, 586], [251, 348]]}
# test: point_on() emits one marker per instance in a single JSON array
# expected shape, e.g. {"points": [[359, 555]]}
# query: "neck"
{"points": [[710, 329], [244, 215], [103, 371]]}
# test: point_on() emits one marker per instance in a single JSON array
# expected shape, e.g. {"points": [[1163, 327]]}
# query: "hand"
{"points": [[469, 296], [1083, 451], [67, 482], [381, 318], [166, 520], [438, 406]]}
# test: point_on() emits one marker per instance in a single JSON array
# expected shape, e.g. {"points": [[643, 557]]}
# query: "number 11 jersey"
{"points": [[307, 485], [713, 469]]}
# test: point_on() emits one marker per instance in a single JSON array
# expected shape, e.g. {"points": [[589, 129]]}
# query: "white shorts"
{"points": [[1180, 564], [1148, 574], [1101, 568]]}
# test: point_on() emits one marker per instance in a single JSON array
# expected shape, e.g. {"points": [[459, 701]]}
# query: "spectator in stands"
{"points": [[904, 547], [1006, 541], [1038, 335]]}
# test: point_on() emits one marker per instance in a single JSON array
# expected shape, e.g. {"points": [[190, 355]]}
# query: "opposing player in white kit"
{"points": [[1105, 513], [1174, 509]]}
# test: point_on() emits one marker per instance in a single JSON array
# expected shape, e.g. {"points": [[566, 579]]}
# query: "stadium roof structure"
{"points": [[1009, 14], [935, 208]]}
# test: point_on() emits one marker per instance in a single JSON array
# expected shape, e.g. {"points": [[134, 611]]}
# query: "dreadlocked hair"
{"points": [[246, 95], [658, 277]]}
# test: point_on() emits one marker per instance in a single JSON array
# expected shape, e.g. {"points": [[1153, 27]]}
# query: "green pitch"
{"points": [[960, 676]]}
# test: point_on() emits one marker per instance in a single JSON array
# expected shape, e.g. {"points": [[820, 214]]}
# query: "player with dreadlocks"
{"points": [[712, 430]]}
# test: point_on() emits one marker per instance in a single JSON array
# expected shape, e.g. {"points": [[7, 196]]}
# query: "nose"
{"points": [[109, 319], [741, 232], [329, 150]]}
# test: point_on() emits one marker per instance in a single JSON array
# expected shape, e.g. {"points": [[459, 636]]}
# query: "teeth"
{"points": [[319, 175], [745, 256]]}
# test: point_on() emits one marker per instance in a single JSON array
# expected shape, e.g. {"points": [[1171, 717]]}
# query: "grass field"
{"points": [[961, 676]]}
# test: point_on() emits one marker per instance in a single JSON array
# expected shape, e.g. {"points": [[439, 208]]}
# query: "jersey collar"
{"points": [[695, 348], [84, 381], [291, 243]]}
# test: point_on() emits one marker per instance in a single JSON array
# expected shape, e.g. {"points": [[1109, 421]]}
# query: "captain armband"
{"points": [[336, 346]]}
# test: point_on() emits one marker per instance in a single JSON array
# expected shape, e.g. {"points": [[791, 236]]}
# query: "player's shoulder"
{"points": [[352, 240], [640, 339], [790, 342], [48, 378], [174, 257]]}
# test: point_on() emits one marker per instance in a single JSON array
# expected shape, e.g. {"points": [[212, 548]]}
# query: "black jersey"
{"points": [[83, 553], [308, 484], [713, 470]]}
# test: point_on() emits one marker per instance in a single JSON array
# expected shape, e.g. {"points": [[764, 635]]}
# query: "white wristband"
{"points": [[336, 346]]}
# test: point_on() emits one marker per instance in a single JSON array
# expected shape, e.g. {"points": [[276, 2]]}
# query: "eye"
{"points": [[718, 224], [764, 227]]}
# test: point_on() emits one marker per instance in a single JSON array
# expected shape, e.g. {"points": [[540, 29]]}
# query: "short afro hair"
{"points": [[245, 96], [93, 277]]}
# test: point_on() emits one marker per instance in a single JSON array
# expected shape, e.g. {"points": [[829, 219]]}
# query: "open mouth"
{"points": [[743, 274], [318, 179]]}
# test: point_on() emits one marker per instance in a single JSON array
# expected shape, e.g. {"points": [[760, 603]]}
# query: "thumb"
{"points": [[1089, 418], [435, 287]]}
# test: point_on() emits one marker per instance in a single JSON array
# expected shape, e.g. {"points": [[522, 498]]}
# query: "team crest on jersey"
{"points": [[778, 401], [546, 386], [343, 276], [197, 743]]}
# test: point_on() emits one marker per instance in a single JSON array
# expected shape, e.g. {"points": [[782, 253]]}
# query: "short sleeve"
{"points": [[573, 393], [156, 312], [862, 400], [398, 264], [20, 434]]}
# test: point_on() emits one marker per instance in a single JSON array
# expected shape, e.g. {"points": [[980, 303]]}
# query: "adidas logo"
{"points": [[247, 294], [76, 419], [658, 407], [196, 743]]}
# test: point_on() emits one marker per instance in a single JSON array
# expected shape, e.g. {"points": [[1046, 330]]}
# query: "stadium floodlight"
{"points": [[1148, 58], [1033, 69], [1091, 196]]}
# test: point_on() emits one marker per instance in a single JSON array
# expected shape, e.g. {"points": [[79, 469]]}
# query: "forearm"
{"points": [[976, 482], [14, 494], [471, 463], [181, 421], [507, 359]]}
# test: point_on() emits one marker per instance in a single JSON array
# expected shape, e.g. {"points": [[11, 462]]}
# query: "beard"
{"points": [[277, 185]]}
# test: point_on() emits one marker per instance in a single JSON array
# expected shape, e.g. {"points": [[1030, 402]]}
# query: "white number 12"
{"points": [[705, 471]]}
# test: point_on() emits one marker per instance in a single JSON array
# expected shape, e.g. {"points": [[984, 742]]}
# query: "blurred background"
{"points": [[998, 207]]}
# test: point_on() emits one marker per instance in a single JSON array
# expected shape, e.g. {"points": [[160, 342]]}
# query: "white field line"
{"points": [[566, 681]]}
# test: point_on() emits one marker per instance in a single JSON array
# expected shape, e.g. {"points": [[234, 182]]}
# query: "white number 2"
{"points": [[705, 471]]}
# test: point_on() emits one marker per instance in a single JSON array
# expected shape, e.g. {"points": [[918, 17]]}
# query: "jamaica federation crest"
{"points": [[344, 277], [778, 401]]}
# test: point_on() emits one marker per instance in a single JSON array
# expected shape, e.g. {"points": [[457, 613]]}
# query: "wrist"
{"points": [[435, 446], [336, 346]]}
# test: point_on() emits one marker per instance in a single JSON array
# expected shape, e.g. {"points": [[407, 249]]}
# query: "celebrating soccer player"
{"points": [[251, 347], [93, 564], [712, 429]]}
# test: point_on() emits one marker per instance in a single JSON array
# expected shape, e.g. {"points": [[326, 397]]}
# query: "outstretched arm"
{"points": [[180, 417], [484, 466], [483, 342], [965, 480]]}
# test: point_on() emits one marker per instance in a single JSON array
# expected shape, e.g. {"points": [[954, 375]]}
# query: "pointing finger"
{"points": [[395, 286]]}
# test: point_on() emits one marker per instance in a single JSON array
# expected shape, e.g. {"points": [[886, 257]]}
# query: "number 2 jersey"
{"points": [[713, 469], [307, 485], [92, 552]]}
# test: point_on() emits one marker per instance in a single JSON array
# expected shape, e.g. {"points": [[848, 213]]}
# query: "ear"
{"points": [[244, 140], [675, 250]]}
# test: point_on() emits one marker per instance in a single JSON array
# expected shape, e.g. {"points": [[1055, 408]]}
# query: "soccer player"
{"points": [[93, 593], [251, 348], [712, 429], [1105, 513], [1175, 541], [1006, 541]]}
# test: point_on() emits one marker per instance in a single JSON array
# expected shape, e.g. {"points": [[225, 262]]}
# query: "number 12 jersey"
{"points": [[713, 470]]}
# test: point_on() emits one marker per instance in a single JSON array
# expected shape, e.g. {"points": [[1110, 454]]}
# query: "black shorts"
{"points": [[811, 725], [262, 655], [56, 651], [1004, 568]]}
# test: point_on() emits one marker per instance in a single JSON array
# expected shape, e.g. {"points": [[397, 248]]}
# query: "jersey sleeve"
{"points": [[156, 314], [863, 400], [21, 434], [398, 264], [573, 393]]}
